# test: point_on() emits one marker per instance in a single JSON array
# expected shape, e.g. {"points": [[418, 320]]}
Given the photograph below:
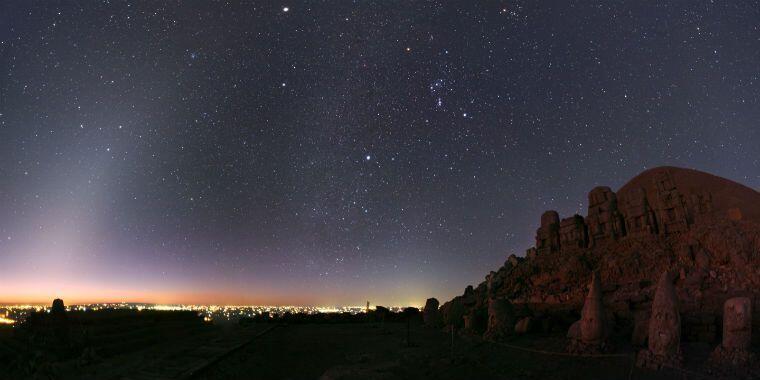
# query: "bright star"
{"points": [[285, 9], [367, 157]]}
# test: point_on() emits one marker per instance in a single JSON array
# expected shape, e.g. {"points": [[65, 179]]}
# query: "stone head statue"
{"points": [[592, 315], [665, 322], [737, 323]]}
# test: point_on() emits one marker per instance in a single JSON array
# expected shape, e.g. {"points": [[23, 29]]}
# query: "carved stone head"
{"points": [[665, 322], [737, 323], [592, 316]]}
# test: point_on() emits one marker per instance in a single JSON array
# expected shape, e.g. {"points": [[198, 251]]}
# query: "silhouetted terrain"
{"points": [[658, 281]]}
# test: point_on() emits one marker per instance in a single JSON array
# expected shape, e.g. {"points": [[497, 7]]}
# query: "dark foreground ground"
{"points": [[375, 351], [169, 349]]}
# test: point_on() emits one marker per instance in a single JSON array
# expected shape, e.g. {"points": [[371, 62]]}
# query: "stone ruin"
{"points": [[639, 216], [737, 335], [605, 222], [547, 236], [573, 232], [703, 229], [589, 334], [673, 213], [430, 314], [633, 215], [58, 309], [664, 347], [501, 319]]}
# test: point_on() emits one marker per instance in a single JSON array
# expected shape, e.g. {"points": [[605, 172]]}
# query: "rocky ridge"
{"points": [[702, 228]]}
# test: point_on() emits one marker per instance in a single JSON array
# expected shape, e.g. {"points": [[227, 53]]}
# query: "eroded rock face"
{"points": [[501, 319], [430, 314], [664, 347]]}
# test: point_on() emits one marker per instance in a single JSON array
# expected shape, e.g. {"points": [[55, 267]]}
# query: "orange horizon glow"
{"points": [[104, 295], [165, 298]]}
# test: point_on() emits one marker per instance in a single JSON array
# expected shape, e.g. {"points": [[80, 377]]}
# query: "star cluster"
{"points": [[333, 152]]}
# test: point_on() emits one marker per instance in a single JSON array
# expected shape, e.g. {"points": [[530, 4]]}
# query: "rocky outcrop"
{"points": [[703, 229]]}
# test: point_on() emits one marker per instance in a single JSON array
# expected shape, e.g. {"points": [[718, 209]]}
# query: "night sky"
{"points": [[333, 152]]}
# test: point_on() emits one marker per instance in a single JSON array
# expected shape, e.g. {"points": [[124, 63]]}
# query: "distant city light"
{"points": [[17, 314], [6, 321]]}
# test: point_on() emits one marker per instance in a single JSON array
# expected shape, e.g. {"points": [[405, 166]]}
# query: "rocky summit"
{"points": [[701, 229]]}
